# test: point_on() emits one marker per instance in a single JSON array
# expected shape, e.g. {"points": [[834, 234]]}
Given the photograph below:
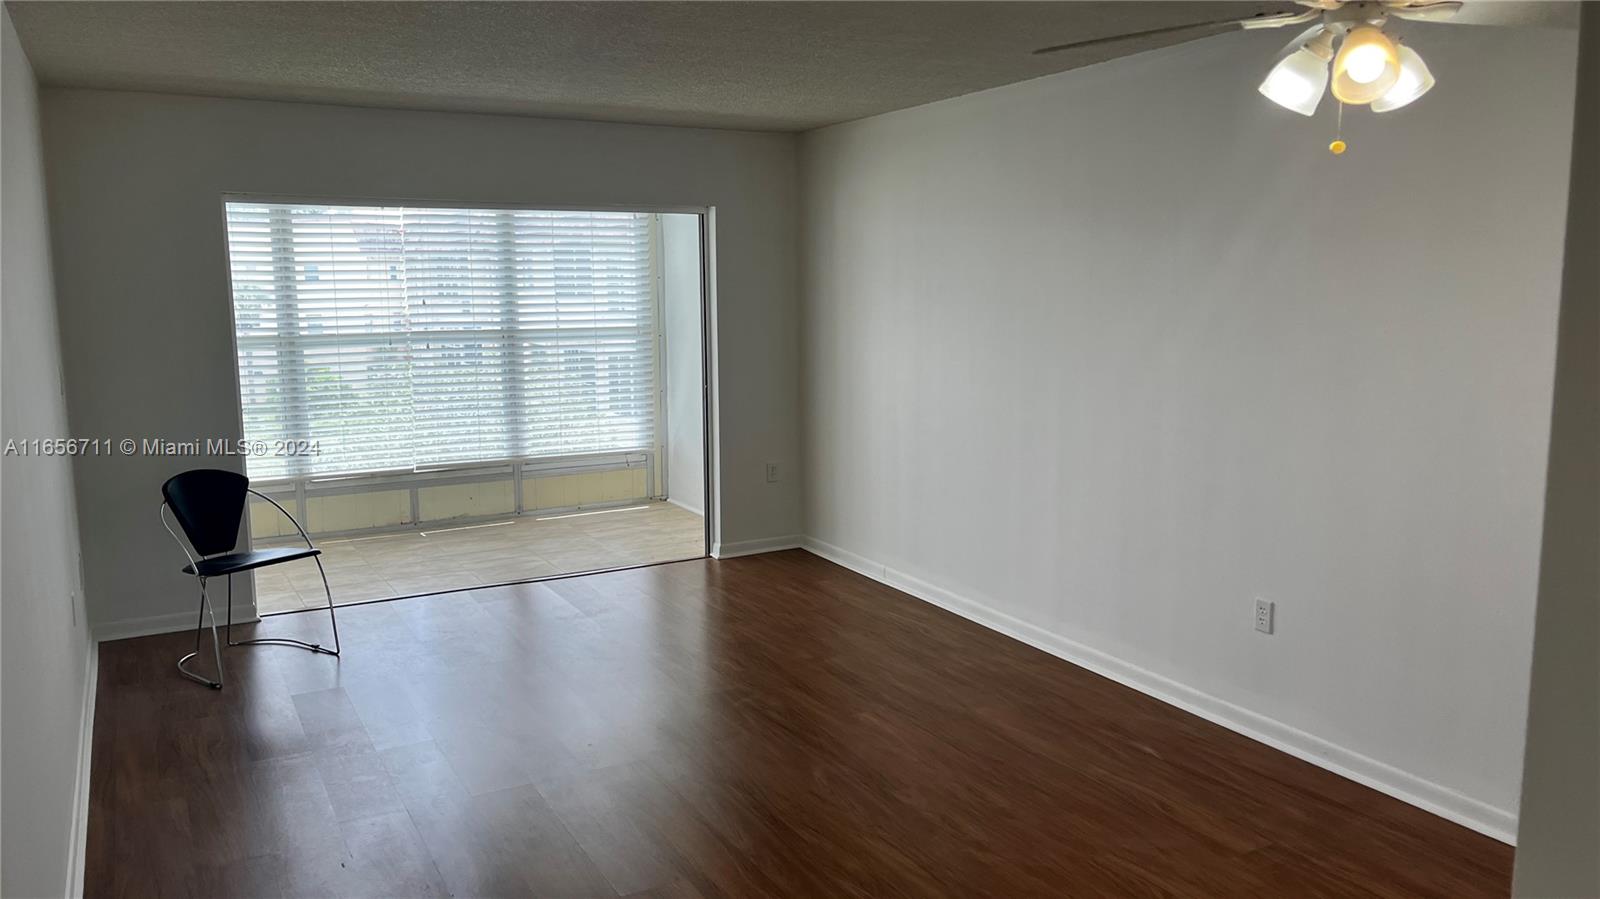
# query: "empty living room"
{"points": [[753, 448]]}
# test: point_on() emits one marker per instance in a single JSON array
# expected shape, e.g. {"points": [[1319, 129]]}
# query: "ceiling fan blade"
{"points": [[1148, 32], [1263, 21], [1427, 12], [1526, 13]]}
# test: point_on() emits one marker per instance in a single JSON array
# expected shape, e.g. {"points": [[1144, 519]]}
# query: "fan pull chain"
{"points": [[1338, 146]]}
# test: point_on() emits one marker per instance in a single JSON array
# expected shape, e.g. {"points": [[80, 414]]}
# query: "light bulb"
{"points": [[1365, 64], [1414, 81], [1366, 67]]}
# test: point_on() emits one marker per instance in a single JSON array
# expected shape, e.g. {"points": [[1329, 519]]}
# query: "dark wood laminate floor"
{"points": [[767, 726]]}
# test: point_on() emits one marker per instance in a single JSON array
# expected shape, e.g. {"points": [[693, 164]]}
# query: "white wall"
{"points": [[680, 251], [45, 647], [1110, 353], [136, 181], [1558, 834]]}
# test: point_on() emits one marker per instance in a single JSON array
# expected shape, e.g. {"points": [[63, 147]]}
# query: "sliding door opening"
{"points": [[449, 398]]}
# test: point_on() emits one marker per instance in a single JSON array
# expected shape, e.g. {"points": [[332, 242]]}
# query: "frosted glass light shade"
{"points": [[1414, 81], [1297, 82]]}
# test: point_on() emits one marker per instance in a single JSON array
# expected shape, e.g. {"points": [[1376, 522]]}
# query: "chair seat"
{"points": [[255, 558]]}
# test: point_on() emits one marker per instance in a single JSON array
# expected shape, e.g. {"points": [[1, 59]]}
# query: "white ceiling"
{"points": [[757, 65]]}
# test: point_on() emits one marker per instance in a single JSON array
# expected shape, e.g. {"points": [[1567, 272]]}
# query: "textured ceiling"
{"points": [[756, 65]]}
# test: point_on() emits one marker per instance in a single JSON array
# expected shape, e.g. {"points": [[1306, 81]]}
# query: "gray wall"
{"points": [[1558, 837], [1103, 356], [136, 215], [44, 643], [686, 481]]}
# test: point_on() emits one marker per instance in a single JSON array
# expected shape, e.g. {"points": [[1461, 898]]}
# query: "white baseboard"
{"points": [[77, 846], [160, 624], [752, 547], [1424, 794], [686, 507]]}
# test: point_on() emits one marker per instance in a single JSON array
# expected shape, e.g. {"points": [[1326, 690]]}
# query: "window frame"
{"points": [[299, 488]]}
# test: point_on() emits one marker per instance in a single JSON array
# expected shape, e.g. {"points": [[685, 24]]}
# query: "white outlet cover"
{"points": [[1264, 616]]}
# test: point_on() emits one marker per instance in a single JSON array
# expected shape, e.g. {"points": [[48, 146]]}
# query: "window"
{"points": [[397, 338]]}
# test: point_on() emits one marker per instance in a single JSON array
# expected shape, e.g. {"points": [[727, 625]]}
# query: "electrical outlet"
{"points": [[772, 472], [1264, 616]]}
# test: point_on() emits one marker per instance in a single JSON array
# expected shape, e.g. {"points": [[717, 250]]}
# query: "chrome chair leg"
{"points": [[287, 641], [328, 592], [216, 646]]}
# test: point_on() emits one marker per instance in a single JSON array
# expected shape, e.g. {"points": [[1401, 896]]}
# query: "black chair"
{"points": [[209, 506]]}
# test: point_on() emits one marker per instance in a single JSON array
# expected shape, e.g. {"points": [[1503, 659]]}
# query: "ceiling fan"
{"points": [[1368, 66]]}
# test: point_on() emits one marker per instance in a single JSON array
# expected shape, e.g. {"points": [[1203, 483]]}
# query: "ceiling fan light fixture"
{"points": [[1300, 77], [1366, 67], [1414, 81]]}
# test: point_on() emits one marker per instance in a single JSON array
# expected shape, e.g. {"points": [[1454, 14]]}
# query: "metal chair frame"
{"points": [[206, 611]]}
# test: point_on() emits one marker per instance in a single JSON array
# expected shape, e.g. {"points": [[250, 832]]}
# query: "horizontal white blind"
{"points": [[400, 338]]}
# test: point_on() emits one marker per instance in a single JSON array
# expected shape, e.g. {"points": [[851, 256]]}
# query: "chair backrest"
{"points": [[209, 505]]}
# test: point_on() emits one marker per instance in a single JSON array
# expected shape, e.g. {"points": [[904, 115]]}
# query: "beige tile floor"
{"points": [[435, 559]]}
